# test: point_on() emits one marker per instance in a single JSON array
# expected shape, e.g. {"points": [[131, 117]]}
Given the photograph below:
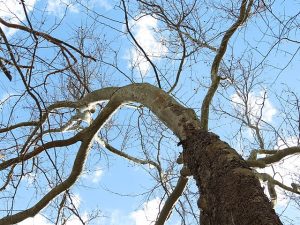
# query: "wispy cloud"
{"points": [[148, 214], [58, 7], [95, 176], [98, 4], [258, 106], [13, 12], [144, 32], [76, 200], [116, 217], [103, 4], [39, 219], [73, 220]]}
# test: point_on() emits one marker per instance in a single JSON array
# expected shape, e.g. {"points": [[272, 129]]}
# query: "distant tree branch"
{"points": [[179, 70], [139, 46], [37, 150], [46, 37], [275, 156], [244, 14], [171, 200], [127, 156], [22, 124], [267, 177]]}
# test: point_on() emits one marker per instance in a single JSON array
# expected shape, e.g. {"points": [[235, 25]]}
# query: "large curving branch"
{"points": [[76, 171], [58, 143], [171, 113], [175, 116], [86, 138]]}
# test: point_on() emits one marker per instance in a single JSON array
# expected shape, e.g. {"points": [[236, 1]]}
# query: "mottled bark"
{"points": [[230, 194]]}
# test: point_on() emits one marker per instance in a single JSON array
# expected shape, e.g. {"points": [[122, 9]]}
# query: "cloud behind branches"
{"points": [[148, 214], [145, 32], [256, 105], [13, 12]]}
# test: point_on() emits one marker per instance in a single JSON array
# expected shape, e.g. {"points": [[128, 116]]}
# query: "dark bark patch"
{"points": [[230, 194]]}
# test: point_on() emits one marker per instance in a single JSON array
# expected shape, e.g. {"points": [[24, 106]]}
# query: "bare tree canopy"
{"points": [[149, 112]]}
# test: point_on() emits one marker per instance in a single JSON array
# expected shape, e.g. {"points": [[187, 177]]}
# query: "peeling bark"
{"points": [[230, 194]]}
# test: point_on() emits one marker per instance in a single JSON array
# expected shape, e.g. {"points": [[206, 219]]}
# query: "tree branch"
{"points": [[275, 157], [171, 200], [45, 36], [244, 14], [267, 177], [86, 138], [126, 156], [178, 118], [139, 46]]}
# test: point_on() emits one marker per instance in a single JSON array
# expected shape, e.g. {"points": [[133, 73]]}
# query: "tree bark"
{"points": [[230, 194]]}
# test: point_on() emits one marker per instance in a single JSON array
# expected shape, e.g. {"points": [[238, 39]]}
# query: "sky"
{"points": [[100, 179]]}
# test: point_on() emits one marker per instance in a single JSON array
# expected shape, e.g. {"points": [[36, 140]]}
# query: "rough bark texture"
{"points": [[230, 194]]}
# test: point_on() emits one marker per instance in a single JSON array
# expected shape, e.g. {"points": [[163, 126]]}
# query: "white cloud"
{"points": [[41, 220], [254, 108], [13, 12], [144, 32], [37, 220], [285, 170], [289, 142], [104, 4], [148, 214], [116, 217], [4, 98], [58, 7], [76, 200], [72, 220], [30, 179], [95, 177]]}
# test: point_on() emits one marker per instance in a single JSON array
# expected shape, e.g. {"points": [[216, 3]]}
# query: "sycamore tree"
{"points": [[199, 96]]}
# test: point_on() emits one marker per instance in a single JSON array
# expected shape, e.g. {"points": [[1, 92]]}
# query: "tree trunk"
{"points": [[230, 194]]}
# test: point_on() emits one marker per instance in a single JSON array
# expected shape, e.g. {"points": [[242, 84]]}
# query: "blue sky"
{"points": [[110, 182]]}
